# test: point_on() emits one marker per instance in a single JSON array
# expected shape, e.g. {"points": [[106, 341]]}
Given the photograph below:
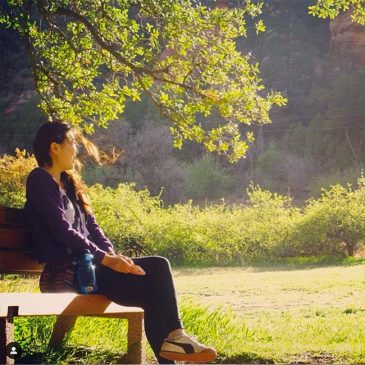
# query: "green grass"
{"points": [[296, 262], [274, 288], [282, 313], [290, 336]]}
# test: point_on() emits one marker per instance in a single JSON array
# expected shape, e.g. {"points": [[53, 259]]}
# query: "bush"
{"points": [[149, 161], [122, 212], [334, 223], [272, 221], [282, 171], [107, 175], [13, 174], [187, 234], [206, 178], [326, 180], [266, 226]]}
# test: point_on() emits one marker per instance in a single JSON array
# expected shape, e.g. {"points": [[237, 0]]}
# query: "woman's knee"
{"points": [[161, 261], [157, 263]]}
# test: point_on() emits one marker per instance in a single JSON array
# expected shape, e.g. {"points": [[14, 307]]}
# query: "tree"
{"points": [[340, 115], [88, 57], [332, 8]]}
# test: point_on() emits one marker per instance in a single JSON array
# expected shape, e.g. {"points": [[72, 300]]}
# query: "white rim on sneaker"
{"points": [[204, 356], [187, 348]]}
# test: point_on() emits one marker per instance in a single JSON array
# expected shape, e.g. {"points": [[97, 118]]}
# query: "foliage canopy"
{"points": [[89, 57], [332, 8]]}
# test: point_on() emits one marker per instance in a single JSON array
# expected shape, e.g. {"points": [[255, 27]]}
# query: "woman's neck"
{"points": [[55, 173]]}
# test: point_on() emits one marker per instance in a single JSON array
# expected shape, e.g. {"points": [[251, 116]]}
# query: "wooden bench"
{"points": [[18, 257]]}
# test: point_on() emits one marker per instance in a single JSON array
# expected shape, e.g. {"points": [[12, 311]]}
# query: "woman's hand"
{"points": [[112, 253], [117, 263], [122, 264], [126, 258]]}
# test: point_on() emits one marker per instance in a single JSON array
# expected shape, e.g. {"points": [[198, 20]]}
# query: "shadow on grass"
{"points": [[306, 263], [72, 354], [314, 359], [303, 359], [244, 358], [284, 264]]}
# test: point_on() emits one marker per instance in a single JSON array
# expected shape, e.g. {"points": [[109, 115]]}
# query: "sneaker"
{"points": [[187, 348]]}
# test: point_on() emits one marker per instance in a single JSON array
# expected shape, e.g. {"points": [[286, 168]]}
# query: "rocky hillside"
{"points": [[16, 80], [347, 44]]}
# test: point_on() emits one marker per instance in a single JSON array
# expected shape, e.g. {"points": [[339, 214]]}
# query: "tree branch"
{"points": [[137, 70], [351, 145]]}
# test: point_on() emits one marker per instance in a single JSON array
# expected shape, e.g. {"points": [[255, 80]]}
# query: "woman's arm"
{"points": [[44, 196], [98, 235], [101, 240]]}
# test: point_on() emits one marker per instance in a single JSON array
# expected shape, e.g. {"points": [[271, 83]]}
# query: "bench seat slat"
{"points": [[13, 216], [61, 304], [19, 262], [13, 237]]}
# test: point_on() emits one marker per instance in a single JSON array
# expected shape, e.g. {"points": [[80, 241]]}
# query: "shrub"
{"points": [[334, 223], [271, 220], [206, 178], [280, 170], [13, 173], [122, 212], [326, 180], [107, 175], [149, 161], [187, 234], [266, 226]]}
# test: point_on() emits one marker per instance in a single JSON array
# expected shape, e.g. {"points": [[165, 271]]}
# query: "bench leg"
{"points": [[136, 343], [61, 327], [7, 335]]}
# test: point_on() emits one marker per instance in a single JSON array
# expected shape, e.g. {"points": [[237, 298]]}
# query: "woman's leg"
{"points": [[161, 287], [154, 292]]}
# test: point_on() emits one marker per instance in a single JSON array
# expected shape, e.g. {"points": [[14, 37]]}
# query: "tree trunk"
{"points": [[350, 246]]}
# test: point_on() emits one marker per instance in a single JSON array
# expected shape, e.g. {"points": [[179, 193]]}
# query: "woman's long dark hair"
{"points": [[47, 134], [56, 132]]}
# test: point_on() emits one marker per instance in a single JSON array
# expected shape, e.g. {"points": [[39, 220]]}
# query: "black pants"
{"points": [[153, 292]]}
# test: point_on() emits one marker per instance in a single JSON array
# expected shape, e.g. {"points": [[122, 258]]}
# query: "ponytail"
{"points": [[76, 189]]}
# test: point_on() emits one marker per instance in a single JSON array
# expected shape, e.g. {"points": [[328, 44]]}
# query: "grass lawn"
{"points": [[301, 313], [274, 288], [308, 314]]}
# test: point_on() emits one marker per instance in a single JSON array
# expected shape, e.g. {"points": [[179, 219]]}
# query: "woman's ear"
{"points": [[54, 148]]}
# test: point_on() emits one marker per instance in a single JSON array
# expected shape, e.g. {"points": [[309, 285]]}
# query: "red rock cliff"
{"points": [[347, 44]]}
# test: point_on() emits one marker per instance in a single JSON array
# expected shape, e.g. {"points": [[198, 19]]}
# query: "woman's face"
{"points": [[63, 154]]}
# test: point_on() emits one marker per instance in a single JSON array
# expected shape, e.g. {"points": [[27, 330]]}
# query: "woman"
{"points": [[62, 224]]}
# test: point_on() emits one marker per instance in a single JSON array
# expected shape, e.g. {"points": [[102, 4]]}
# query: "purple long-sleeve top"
{"points": [[52, 234]]}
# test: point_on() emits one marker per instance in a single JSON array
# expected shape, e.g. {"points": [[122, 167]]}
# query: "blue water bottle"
{"points": [[86, 273]]}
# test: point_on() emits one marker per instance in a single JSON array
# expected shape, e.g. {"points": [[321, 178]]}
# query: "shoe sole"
{"points": [[204, 356]]}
